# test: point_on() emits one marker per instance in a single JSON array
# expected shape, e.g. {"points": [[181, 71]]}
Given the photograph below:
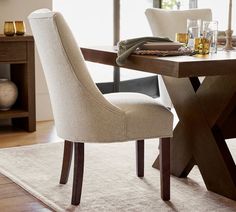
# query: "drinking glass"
{"points": [[202, 45], [194, 29], [20, 27], [181, 38], [210, 32], [9, 28]]}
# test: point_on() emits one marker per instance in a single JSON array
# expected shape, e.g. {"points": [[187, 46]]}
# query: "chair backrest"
{"points": [[166, 23], [80, 111]]}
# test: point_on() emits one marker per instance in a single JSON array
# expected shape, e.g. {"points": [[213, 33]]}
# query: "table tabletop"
{"points": [[221, 63]]}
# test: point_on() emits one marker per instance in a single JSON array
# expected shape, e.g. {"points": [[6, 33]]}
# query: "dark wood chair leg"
{"points": [[78, 173], [66, 164], [165, 168], [140, 158]]}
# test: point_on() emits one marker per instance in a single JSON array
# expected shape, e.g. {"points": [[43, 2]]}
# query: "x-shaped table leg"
{"points": [[198, 139]]}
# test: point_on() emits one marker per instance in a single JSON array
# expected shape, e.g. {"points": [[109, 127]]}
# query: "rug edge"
{"points": [[31, 191], [29, 146]]}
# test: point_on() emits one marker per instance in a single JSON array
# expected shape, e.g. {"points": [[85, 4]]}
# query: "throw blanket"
{"points": [[127, 47]]}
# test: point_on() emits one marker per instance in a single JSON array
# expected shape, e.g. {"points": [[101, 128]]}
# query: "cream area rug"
{"points": [[110, 182]]}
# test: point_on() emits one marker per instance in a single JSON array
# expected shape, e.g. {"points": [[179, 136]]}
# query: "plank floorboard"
{"points": [[12, 197]]}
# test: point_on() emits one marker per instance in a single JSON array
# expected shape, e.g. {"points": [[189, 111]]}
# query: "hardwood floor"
{"points": [[12, 197]]}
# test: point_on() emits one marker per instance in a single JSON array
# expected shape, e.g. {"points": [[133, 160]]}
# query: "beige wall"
{"points": [[19, 10]]}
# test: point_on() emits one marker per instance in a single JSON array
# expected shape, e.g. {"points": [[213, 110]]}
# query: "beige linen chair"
{"points": [[83, 115], [165, 23]]}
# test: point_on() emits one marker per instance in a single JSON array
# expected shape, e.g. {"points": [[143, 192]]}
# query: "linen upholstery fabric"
{"points": [[166, 23], [144, 115], [81, 112]]}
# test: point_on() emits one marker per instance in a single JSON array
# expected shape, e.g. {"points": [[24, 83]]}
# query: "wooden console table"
{"points": [[18, 52]]}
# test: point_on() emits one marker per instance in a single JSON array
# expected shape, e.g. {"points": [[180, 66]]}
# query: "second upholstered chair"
{"points": [[83, 115], [165, 23]]}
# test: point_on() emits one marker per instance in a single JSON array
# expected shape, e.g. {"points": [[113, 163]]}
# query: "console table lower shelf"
{"points": [[17, 53]]}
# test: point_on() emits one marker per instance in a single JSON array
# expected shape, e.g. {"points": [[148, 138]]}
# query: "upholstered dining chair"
{"points": [[83, 115], [165, 23]]}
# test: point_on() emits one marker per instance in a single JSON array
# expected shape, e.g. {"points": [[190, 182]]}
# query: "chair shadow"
{"points": [[154, 188], [171, 206]]}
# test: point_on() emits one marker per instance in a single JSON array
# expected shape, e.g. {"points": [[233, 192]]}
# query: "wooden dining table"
{"points": [[206, 110]]}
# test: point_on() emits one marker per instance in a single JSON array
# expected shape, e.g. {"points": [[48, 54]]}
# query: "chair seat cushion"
{"points": [[145, 117]]}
